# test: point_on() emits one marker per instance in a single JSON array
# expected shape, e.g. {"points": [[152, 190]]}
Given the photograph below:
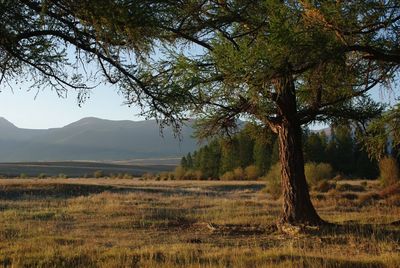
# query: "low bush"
{"points": [[148, 176], [179, 173], [42, 176], [273, 178], [239, 174], [62, 176], [98, 174], [346, 187], [165, 176], [251, 172], [389, 171], [228, 176], [317, 172], [127, 176]]}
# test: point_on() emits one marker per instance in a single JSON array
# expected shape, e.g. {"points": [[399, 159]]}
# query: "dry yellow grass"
{"points": [[131, 223]]}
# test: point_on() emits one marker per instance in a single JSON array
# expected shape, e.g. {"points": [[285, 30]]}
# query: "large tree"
{"points": [[281, 64]]}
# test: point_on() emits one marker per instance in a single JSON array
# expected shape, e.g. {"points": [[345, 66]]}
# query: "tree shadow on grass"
{"points": [[70, 190], [380, 232], [230, 188], [314, 261], [40, 191]]}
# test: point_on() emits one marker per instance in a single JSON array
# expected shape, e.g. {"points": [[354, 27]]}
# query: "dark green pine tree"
{"points": [[189, 161], [184, 163], [210, 160], [344, 154], [364, 167], [245, 143], [262, 155], [314, 148], [229, 152]]}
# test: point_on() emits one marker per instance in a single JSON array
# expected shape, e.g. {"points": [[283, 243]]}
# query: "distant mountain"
{"points": [[93, 139]]}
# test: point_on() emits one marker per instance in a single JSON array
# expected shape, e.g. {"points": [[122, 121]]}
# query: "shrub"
{"points": [[62, 176], [345, 187], [148, 176], [164, 176], [389, 171], [42, 176], [197, 175], [317, 172], [273, 179], [228, 176], [191, 175], [127, 176], [23, 176], [236, 174], [179, 173], [251, 172], [239, 173], [98, 174]]}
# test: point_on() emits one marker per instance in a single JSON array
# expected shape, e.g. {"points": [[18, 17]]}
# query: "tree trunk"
{"points": [[297, 206]]}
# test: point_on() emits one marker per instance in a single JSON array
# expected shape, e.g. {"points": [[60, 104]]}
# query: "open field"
{"points": [[84, 168], [132, 223]]}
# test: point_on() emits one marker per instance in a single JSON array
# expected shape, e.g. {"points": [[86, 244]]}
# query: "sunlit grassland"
{"points": [[128, 223]]}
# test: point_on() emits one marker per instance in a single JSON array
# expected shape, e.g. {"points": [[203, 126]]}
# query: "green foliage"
{"points": [[381, 130], [262, 156], [314, 147], [228, 176], [62, 176], [42, 176], [252, 172], [389, 171], [316, 172], [179, 173], [147, 176], [222, 156], [98, 174], [273, 178], [239, 173]]}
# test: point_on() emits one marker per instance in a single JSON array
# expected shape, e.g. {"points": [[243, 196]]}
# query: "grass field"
{"points": [[132, 223]]}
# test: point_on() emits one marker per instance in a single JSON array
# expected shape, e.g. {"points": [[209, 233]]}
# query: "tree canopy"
{"points": [[226, 55]]}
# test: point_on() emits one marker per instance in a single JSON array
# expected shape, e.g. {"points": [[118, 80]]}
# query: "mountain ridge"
{"points": [[92, 138]]}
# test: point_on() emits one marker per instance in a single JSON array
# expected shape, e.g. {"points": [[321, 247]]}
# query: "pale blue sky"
{"points": [[48, 110]]}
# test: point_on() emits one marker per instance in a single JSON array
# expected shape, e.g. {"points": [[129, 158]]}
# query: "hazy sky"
{"points": [[48, 110]]}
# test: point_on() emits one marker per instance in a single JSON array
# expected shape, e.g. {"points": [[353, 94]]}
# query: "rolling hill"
{"points": [[93, 139]]}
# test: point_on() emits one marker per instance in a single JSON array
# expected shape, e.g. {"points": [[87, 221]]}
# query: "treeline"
{"points": [[251, 153]]}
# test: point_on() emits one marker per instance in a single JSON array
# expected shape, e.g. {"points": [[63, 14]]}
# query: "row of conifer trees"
{"points": [[254, 150]]}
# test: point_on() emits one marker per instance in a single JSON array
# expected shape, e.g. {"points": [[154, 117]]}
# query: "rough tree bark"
{"points": [[297, 206]]}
